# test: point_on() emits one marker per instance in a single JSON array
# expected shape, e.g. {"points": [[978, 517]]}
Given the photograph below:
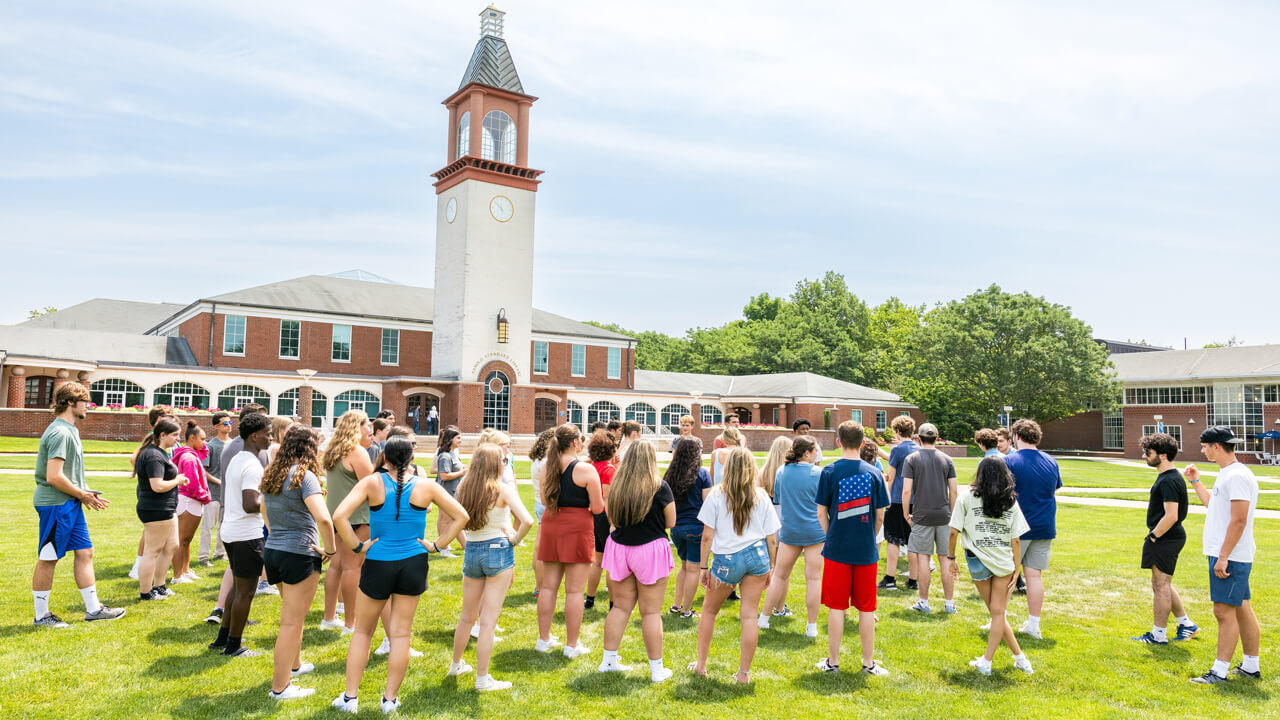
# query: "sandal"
{"points": [[689, 614], [693, 668], [739, 682], [675, 610]]}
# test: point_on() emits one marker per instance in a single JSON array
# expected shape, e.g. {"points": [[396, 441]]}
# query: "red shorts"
{"points": [[842, 583]]}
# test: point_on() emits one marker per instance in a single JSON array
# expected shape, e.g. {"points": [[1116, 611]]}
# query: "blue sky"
{"points": [[1116, 158]]}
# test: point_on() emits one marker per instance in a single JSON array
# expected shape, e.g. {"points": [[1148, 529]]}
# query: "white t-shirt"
{"points": [[1235, 482], [244, 472], [535, 472], [715, 514]]}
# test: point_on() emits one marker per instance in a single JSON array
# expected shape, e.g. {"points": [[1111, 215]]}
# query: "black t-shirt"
{"points": [[1169, 487], [153, 462], [654, 524]]}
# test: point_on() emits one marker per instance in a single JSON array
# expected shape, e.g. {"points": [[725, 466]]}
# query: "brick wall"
{"points": [[559, 365], [95, 426], [1135, 416], [1082, 431]]}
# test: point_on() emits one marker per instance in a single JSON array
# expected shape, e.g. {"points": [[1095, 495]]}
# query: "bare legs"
{"points": [[398, 630], [159, 540], [1237, 624], [866, 634], [295, 600], [920, 569], [482, 600], [749, 610], [594, 575], [787, 557], [686, 585], [1164, 598], [995, 594], [343, 579], [574, 576], [1035, 590], [626, 594], [187, 526]]}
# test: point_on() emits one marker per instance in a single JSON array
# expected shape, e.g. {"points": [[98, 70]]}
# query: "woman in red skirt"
{"points": [[566, 536]]}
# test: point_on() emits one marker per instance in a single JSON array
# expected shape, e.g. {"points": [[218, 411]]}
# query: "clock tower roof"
{"points": [[491, 64]]}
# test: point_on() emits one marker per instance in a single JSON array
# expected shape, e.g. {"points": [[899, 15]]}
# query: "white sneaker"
{"points": [[390, 706], [348, 630], [949, 607], [933, 566], [266, 589], [460, 668], [981, 664], [190, 574], [544, 646], [607, 666], [447, 553], [304, 669], [986, 627], [475, 632], [763, 622], [385, 649], [660, 675], [1023, 664], [573, 651], [339, 608], [921, 606], [291, 692], [350, 705], [811, 630], [334, 624], [133, 571], [485, 683], [181, 580], [876, 669], [1034, 632]]}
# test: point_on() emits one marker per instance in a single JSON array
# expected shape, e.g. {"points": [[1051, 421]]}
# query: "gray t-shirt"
{"points": [[213, 466], [448, 462], [293, 529], [929, 469], [61, 440]]}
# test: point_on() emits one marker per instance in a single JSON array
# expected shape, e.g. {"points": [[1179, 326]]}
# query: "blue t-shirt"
{"points": [[1036, 478], [897, 456], [688, 506], [993, 451], [852, 491], [794, 489]]}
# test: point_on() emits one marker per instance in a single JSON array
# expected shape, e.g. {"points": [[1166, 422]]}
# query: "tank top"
{"points": [[572, 496], [397, 538], [717, 469], [495, 527], [339, 482]]}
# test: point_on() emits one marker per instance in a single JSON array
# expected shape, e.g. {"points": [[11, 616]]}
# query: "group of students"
{"points": [[293, 502]]}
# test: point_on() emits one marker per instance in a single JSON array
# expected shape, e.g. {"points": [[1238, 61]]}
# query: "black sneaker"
{"points": [[151, 595], [889, 582], [913, 585], [219, 646], [1239, 670], [1021, 589], [589, 603], [734, 595], [215, 617]]}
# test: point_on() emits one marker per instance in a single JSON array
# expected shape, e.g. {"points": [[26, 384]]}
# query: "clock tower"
{"points": [[484, 220]]}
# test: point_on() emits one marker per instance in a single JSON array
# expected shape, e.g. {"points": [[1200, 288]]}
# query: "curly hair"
{"points": [[993, 484], [986, 438], [682, 473], [539, 449], [1161, 444], [601, 448], [346, 437], [298, 454]]}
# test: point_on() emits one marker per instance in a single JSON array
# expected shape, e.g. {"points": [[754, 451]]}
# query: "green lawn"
{"points": [[153, 663], [1266, 501], [91, 463], [14, 444]]}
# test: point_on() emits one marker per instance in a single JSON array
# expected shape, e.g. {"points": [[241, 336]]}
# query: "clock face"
{"points": [[500, 208], [451, 210]]}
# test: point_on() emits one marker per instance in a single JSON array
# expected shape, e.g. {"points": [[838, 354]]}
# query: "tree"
{"points": [[40, 312], [1232, 341], [654, 350], [971, 357]]}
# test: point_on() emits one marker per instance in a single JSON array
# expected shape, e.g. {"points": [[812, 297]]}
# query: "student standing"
{"points": [[897, 531], [851, 500], [488, 559], [433, 420], [449, 473], [741, 532], [158, 482], [346, 460], [603, 454], [1229, 546], [1036, 479], [640, 508], [192, 498], [686, 431], [1166, 510], [60, 496], [690, 484], [929, 489], [729, 439], [293, 499], [988, 521], [801, 535], [229, 450], [987, 441], [210, 544]]}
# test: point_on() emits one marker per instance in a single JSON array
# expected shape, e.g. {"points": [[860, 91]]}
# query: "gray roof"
{"points": [[379, 300], [94, 346], [491, 65], [779, 385], [1261, 361], [105, 315]]}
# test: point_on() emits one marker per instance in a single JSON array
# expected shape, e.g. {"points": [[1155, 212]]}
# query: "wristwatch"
{"points": [[1152, 536]]}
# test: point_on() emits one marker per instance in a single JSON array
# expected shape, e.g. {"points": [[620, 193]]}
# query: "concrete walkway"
{"points": [[1140, 505], [1078, 490]]}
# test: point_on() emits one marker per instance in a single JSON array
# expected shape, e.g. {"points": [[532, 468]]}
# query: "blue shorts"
{"points": [[977, 571], [538, 509], [732, 567], [1234, 589], [62, 529], [487, 558], [688, 542]]}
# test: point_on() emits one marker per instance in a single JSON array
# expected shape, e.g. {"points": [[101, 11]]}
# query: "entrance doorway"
{"points": [[744, 415], [544, 414], [422, 403]]}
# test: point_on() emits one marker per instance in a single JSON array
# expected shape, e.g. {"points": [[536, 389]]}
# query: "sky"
{"points": [[1117, 158]]}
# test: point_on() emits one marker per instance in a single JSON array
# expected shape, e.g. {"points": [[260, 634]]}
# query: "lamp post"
{"points": [[1008, 410]]}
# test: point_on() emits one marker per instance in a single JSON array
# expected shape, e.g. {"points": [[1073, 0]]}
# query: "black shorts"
{"points": [[380, 579], [245, 557], [896, 529], [1162, 554], [601, 530], [149, 515], [289, 568]]}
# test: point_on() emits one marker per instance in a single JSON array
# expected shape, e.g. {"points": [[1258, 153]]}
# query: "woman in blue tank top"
{"points": [[395, 561]]}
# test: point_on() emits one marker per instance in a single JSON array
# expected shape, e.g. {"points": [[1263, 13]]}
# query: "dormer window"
{"points": [[498, 137]]}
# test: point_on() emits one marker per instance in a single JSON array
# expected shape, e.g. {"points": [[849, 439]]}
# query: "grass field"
{"points": [[30, 445], [1266, 501], [153, 663]]}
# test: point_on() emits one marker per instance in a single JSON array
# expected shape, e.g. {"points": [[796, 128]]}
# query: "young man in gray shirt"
{"points": [[929, 491]]}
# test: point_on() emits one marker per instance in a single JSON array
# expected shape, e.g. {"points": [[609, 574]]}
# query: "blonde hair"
{"points": [[732, 436], [346, 437], [739, 486], [279, 426], [481, 488], [633, 487], [496, 437], [778, 453]]}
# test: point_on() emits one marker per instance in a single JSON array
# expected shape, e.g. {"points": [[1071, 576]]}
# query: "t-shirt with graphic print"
{"points": [[852, 491], [988, 538]]}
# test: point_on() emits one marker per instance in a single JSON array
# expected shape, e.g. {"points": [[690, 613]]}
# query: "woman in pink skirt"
{"points": [[637, 557]]}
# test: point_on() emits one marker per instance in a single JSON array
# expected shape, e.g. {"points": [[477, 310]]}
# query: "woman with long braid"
{"points": [[395, 562]]}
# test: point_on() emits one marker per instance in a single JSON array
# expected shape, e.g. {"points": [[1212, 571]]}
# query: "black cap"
{"points": [[1220, 434]]}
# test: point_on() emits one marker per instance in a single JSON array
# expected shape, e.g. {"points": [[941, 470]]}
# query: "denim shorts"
{"points": [[487, 558], [977, 571], [1234, 589], [688, 542], [538, 509], [751, 560]]}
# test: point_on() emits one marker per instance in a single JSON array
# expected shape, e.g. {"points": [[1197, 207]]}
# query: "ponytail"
{"points": [[799, 446], [560, 444], [192, 429], [163, 426]]}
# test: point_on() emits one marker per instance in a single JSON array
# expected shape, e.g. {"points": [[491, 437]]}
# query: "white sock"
{"points": [[1220, 668], [90, 595], [1160, 633], [1250, 663], [1020, 656], [811, 627], [656, 665], [42, 602], [1033, 622], [1184, 620], [610, 657], [136, 562]]}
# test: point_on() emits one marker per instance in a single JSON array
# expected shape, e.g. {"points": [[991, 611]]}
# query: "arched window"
{"points": [[113, 391], [182, 394], [573, 413], [498, 137], [602, 411], [237, 396], [644, 414], [711, 415], [464, 135], [671, 415], [497, 401], [355, 400], [287, 404]]}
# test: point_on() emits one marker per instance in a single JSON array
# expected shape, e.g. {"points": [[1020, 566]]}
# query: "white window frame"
{"points": [[297, 339], [882, 420], [613, 366], [1174, 431], [333, 341], [544, 356], [226, 332], [183, 400], [383, 354], [498, 137], [113, 397], [856, 415], [1118, 420], [574, 351]]}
